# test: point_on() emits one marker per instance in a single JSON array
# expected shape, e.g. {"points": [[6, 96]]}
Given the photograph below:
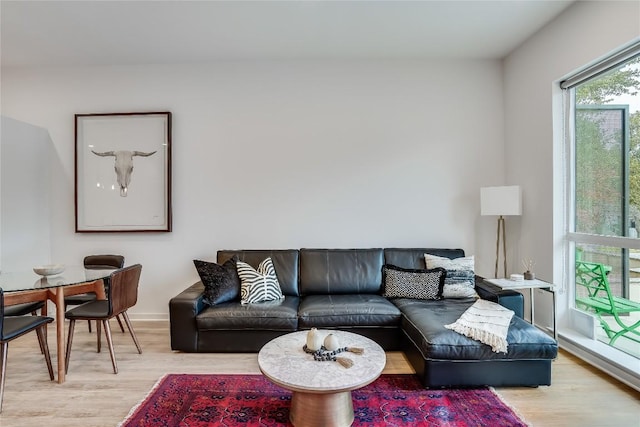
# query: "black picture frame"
{"points": [[111, 195]]}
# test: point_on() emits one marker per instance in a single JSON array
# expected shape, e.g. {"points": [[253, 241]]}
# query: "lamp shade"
{"points": [[506, 200]]}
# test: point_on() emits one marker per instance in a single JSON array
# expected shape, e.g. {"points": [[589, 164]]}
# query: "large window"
{"points": [[604, 113]]}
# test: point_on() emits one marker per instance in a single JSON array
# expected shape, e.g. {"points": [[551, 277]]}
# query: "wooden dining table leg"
{"points": [[56, 295], [99, 289], [59, 300]]}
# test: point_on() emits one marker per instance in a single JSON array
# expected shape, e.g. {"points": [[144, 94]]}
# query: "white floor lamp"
{"points": [[501, 201]]}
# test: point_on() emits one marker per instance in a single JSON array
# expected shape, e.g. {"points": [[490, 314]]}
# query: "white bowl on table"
{"points": [[49, 270]]}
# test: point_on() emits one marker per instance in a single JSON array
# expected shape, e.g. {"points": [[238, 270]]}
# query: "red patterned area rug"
{"points": [[251, 400]]}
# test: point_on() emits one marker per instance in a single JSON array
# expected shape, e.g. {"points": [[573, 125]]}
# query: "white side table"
{"points": [[531, 285]]}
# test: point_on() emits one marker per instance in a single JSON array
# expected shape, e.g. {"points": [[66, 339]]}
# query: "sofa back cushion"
{"points": [[285, 262], [341, 271], [414, 257]]}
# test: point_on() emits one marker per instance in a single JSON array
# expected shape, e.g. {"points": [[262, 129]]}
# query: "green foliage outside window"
{"points": [[599, 160]]}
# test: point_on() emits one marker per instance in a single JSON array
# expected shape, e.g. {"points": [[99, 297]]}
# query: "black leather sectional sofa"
{"points": [[343, 289]]}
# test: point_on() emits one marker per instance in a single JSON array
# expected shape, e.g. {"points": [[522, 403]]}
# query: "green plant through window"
{"points": [[607, 141]]}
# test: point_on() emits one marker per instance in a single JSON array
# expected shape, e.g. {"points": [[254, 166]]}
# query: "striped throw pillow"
{"points": [[258, 285]]}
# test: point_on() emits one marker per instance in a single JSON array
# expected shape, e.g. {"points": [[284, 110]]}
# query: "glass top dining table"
{"points": [[29, 280], [27, 286]]}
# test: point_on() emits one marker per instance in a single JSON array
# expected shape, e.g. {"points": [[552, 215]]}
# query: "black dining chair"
{"points": [[24, 309], [14, 327], [122, 294], [96, 262]]}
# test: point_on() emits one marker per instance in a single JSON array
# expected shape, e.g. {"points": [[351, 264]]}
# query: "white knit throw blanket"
{"points": [[486, 322]]}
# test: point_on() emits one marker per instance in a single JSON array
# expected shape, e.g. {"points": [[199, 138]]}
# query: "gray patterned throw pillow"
{"points": [[460, 280], [409, 283]]}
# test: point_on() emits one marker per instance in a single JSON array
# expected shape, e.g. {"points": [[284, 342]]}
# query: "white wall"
{"points": [[25, 187], [583, 33], [286, 154]]}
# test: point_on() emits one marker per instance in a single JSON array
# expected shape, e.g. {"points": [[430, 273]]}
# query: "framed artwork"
{"points": [[123, 172]]}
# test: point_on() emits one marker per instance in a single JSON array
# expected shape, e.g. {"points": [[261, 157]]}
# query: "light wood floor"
{"points": [[94, 396]]}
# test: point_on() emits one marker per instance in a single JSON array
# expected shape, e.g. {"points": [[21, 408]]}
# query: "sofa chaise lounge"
{"points": [[343, 289]]}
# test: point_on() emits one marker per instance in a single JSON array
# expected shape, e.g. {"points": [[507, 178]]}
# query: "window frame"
{"points": [[616, 362]]}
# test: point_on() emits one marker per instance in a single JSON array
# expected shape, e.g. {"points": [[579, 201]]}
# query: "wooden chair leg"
{"points": [[72, 325], [42, 339], [99, 335], [131, 331], [40, 343], [35, 313], [107, 333], [120, 323], [89, 323], [4, 347], [43, 313]]}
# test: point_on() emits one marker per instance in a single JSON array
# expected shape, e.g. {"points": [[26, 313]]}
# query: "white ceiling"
{"points": [[43, 33]]}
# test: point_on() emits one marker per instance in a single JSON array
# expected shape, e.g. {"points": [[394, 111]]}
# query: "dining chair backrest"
{"points": [[103, 261], [123, 289]]}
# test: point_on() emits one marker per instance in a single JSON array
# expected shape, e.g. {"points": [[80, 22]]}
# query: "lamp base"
{"points": [[501, 228]]}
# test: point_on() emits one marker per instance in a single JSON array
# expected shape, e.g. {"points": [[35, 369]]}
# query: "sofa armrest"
{"points": [[183, 309], [510, 299]]}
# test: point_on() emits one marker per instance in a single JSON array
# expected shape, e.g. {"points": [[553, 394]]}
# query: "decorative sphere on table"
{"points": [[331, 342]]}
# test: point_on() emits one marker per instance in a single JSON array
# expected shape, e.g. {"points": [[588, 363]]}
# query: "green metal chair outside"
{"points": [[599, 299]]}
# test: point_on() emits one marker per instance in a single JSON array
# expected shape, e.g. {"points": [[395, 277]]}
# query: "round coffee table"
{"points": [[321, 390]]}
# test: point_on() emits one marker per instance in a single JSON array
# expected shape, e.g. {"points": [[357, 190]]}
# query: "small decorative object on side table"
{"points": [[528, 266]]}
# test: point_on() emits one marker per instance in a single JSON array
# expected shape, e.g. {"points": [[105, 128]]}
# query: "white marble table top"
{"points": [[284, 362], [520, 284]]}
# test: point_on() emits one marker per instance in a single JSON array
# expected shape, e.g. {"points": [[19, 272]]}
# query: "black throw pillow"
{"points": [[221, 282], [413, 283]]}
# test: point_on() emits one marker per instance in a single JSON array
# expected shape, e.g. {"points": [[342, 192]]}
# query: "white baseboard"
{"points": [[51, 311]]}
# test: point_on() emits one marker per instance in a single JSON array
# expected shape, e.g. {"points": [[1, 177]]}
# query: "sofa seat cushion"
{"points": [[281, 315], [334, 311], [423, 323]]}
